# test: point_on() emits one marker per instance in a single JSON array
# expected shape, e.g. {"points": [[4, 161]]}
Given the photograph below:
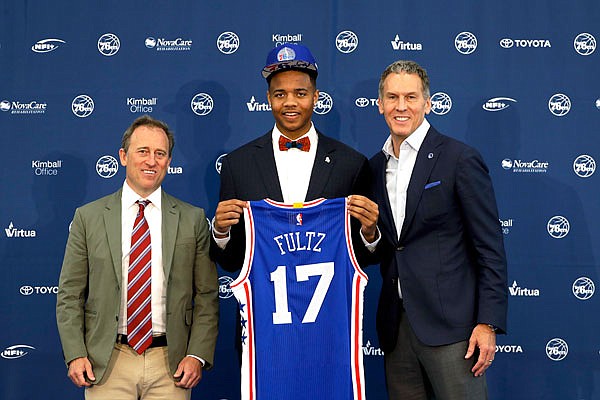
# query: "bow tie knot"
{"points": [[302, 144]]}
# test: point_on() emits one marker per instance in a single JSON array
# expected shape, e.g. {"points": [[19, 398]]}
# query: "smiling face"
{"points": [[403, 105], [146, 160], [292, 97]]}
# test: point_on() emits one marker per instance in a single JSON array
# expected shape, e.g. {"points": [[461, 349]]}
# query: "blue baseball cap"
{"points": [[290, 56]]}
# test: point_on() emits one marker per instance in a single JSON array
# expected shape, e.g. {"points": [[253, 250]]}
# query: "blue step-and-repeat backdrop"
{"points": [[519, 80]]}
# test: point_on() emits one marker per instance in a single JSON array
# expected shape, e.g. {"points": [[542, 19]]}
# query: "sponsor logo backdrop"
{"points": [[518, 80]]}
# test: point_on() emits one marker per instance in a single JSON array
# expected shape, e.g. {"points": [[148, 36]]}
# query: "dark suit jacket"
{"points": [[450, 255], [89, 289], [250, 173]]}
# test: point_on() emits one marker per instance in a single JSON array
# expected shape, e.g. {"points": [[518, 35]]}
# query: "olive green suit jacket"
{"points": [[89, 289]]}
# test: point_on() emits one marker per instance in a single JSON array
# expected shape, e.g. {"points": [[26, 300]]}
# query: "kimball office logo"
{"points": [[46, 167], [16, 351], [506, 225], [162, 44], [280, 39], [12, 232], [46, 45], [141, 104]]}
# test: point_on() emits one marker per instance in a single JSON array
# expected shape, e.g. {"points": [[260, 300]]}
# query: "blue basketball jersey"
{"points": [[300, 295]]}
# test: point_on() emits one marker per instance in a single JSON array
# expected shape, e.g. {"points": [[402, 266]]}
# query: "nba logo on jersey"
{"points": [[300, 293]]}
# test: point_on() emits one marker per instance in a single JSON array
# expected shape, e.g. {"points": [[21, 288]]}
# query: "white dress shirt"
{"points": [[153, 215], [294, 166], [398, 172]]}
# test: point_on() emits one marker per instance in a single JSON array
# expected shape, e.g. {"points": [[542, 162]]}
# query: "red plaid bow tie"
{"points": [[285, 144]]}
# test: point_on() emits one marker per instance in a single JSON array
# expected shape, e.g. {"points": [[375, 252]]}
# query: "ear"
{"points": [[380, 105], [316, 96], [268, 97], [123, 157], [428, 105]]}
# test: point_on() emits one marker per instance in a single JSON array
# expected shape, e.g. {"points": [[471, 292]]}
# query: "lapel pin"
{"points": [[430, 156], [327, 159]]}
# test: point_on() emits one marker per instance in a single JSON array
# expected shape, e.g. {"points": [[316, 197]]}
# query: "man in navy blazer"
{"points": [[444, 290]]}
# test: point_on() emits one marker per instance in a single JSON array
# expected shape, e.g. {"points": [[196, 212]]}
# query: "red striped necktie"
{"points": [[139, 293]]}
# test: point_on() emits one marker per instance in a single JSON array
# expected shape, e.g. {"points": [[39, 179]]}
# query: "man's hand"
{"points": [[189, 372], [367, 213], [228, 213], [79, 368], [484, 338]]}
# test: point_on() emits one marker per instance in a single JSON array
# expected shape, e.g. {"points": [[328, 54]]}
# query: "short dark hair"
{"points": [[146, 120], [311, 74]]}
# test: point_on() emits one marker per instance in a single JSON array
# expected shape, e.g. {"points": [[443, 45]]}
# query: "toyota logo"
{"points": [[26, 290], [507, 43]]}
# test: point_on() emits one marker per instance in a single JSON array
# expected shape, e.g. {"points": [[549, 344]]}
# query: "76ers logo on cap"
{"points": [[286, 54], [299, 219]]}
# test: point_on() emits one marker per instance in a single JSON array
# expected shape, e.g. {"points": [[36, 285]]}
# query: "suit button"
{"points": [[399, 248]]}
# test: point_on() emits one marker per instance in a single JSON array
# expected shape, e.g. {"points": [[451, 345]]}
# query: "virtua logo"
{"points": [[398, 44], [370, 350], [516, 290], [13, 232], [254, 106], [174, 170]]}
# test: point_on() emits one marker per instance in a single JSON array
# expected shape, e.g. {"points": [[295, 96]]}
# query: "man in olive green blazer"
{"points": [[90, 296]]}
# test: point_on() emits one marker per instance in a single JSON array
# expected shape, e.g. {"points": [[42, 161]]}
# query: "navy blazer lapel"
{"points": [[112, 224], [169, 224], [426, 158], [267, 169], [322, 167]]}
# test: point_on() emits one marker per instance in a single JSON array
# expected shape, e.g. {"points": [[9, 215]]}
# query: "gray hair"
{"points": [[408, 67]]}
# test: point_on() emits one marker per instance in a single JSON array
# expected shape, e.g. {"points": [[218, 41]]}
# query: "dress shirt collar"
{"points": [[129, 197], [414, 140]]}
